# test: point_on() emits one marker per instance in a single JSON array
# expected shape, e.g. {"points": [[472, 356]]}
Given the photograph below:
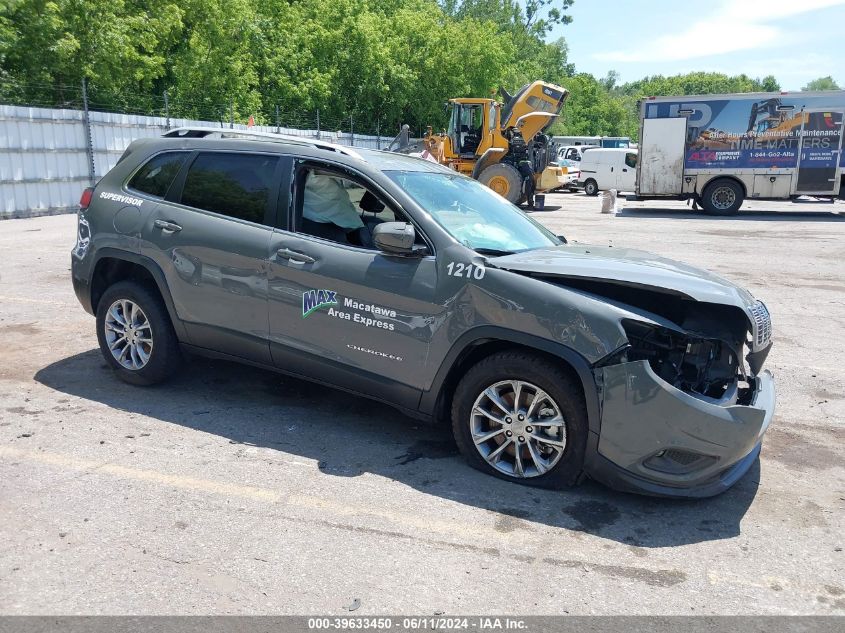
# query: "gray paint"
{"points": [[629, 266], [642, 415], [231, 293]]}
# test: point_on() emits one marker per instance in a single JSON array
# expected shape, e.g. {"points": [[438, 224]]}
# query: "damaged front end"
{"points": [[710, 368], [685, 403]]}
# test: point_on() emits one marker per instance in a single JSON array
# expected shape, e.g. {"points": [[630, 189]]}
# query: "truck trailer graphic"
{"points": [[771, 145]]}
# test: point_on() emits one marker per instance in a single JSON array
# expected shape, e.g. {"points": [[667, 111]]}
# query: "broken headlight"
{"points": [[707, 367]]}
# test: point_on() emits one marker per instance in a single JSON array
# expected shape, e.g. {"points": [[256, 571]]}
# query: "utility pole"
{"points": [[231, 114], [378, 133], [351, 132], [86, 122], [318, 123], [166, 110], [278, 126]]}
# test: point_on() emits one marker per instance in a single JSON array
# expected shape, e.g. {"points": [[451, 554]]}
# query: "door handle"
{"points": [[625, 170], [164, 225], [295, 256]]}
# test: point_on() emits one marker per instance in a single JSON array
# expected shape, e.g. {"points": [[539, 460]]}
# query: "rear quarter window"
{"points": [[237, 185], [156, 175]]}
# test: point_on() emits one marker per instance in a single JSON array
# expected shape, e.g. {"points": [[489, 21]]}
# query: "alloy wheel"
{"points": [[518, 429], [128, 334]]}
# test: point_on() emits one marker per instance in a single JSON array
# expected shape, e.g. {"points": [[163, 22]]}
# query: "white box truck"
{"points": [[719, 150]]}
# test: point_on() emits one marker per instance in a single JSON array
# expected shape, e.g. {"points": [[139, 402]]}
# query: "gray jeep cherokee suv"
{"points": [[400, 280]]}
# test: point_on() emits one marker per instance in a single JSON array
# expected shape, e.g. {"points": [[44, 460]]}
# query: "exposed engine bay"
{"points": [[702, 355], [708, 367]]}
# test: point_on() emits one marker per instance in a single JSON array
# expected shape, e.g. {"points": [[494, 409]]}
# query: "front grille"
{"points": [[762, 324]]}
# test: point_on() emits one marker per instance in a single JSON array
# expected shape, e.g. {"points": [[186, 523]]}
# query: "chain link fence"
{"points": [[167, 106]]}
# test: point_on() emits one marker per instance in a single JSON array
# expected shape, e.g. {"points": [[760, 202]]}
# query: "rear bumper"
{"points": [[81, 286], [658, 440]]}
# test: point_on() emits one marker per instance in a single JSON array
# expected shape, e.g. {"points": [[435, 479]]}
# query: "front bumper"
{"points": [[659, 440]]}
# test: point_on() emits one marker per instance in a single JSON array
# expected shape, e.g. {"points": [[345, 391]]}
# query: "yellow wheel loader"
{"points": [[478, 142]]}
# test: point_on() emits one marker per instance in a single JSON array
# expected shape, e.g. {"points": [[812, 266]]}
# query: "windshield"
{"points": [[472, 213]]}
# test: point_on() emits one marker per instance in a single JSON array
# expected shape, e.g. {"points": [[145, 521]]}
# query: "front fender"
{"points": [[489, 333], [487, 159]]}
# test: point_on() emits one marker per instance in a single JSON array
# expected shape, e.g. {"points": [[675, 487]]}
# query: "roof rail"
{"points": [[202, 132]]}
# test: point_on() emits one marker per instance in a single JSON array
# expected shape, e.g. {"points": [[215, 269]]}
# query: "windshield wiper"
{"points": [[495, 252]]}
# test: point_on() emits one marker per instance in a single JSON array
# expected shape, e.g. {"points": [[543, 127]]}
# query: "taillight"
{"points": [[85, 199]]}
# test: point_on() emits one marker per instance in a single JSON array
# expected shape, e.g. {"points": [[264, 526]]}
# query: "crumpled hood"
{"points": [[627, 266]]}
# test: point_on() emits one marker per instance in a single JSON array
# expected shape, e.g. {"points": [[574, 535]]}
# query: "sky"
{"points": [[794, 40]]}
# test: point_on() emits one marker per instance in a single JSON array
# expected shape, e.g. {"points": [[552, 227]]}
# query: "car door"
{"points": [[606, 171], [616, 170], [627, 172], [590, 168], [211, 238], [347, 313]]}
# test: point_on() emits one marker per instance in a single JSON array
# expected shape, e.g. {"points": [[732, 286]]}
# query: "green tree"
{"points": [[696, 83], [119, 45], [770, 84], [534, 17], [388, 62], [822, 83], [385, 61], [215, 62], [592, 110]]}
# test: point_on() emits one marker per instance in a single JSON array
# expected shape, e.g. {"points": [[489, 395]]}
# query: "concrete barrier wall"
{"points": [[44, 154]]}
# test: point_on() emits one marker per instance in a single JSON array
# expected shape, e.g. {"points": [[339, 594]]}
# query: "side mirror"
{"points": [[396, 238]]}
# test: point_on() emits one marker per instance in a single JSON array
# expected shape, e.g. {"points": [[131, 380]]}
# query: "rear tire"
{"points": [[135, 334], [504, 179], [591, 187], [722, 197], [543, 448]]}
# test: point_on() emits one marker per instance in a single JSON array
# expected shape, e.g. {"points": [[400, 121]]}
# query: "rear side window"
{"points": [[237, 185], [155, 176]]}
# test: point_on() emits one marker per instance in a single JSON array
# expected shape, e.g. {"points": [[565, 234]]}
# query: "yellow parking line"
{"points": [[152, 476], [412, 524], [38, 301]]}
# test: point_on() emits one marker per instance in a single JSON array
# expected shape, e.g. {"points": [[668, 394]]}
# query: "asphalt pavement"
{"points": [[232, 490]]}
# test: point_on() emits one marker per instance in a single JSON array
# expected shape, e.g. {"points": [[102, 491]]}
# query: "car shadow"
{"points": [[546, 208], [349, 435], [832, 214]]}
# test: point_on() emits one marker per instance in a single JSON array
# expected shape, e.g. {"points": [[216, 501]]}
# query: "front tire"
{"points": [[522, 418], [591, 187], [135, 334], [504, 179], [722, 197]]}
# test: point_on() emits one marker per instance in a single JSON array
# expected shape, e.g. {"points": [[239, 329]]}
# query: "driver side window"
{"points": [[334, 207]]}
